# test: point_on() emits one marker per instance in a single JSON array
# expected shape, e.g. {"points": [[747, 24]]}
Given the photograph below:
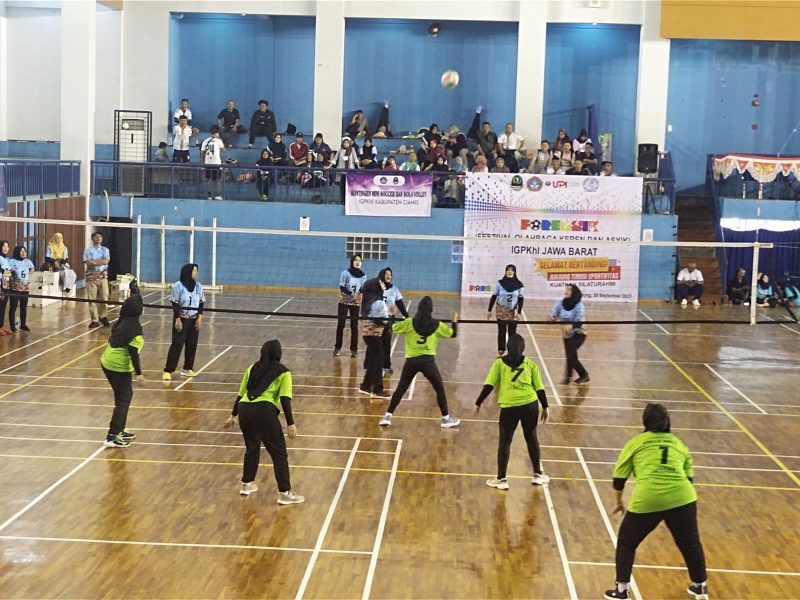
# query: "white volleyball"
{"points": [[450, 79]]}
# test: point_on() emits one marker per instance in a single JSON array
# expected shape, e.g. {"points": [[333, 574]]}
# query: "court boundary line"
{"points": [[646, 316], [327, 522], [208, 364], [735, 389], [280, 307], [542, 361], [562, 551], [709, 569]]}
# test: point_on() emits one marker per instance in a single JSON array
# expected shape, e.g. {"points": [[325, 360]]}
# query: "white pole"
{"points": [[191, 240], [753, 284], [138, 248], [163, 254], [214, 252]]}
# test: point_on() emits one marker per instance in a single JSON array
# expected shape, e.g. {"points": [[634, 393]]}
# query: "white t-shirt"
{"points": [[510, 142], [578, 146], [181, 113], [180, 140], [603, 174], [695, 276], [212, 150]]}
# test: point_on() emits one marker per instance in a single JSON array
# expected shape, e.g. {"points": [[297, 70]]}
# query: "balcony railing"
{"points": [[31, 178]]}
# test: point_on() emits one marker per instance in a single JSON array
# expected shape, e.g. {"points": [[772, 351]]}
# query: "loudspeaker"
{"points": [[120, 246], [648, 158]]}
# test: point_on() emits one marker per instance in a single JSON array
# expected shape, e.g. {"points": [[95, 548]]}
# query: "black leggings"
{"points": [[122, 385], [502, 327], [21, 299], [682, 524], [3, 304], [571, 345], [386, 340], [528, 415], [343, 310], [259, 424], [187, 336], [373, 364], [427, 366]]}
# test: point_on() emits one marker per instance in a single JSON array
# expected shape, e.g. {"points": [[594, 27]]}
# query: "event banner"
{"points": [[389, 194], [549, 227]]}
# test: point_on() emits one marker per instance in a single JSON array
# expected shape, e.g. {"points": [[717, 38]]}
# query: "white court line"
{"points": [[41, 496], [397, 337], [646, 316], [373, 561], [551, 510], [411, 388], [280, 307], [735, 389], [171, 544], [328, 518], [710, 570], [203, 368], [541, 361], [602, 509]]}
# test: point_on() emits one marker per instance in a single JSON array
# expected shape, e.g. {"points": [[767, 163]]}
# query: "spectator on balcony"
{"points": [[390, 164], [358, 125], [181, 141], [588, 157], [278, 152], [579, 143], [608, 169], [367, 163], [56, 259], [454, 186], [369, 153], [263, 165], [435, 149], [433, 134], [161, 154], [578, 168], [455, 143], [487, 141], [561, 137], [481, 164], [541, 161], [184, 111], [500, 166], [411, 164], [738, 290], [96, 258], [566, 155], [346, 159], [229, 122], [555, 167], [690, 281], [211, 153], [299, 154], [320, 151], [262, 123], [509, 146]]}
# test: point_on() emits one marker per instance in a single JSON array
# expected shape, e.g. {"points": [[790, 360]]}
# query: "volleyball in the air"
{"points": [[450, 79]]}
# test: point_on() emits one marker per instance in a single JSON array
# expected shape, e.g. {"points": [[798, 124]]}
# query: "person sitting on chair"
{"points": [[690, 281], [738, 291], [57, 259]]}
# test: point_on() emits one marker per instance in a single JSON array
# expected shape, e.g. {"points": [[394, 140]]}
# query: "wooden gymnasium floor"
{"points": [[402, 513]]}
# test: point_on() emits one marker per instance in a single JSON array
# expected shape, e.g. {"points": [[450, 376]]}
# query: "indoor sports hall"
{"points": [[281, 280]]}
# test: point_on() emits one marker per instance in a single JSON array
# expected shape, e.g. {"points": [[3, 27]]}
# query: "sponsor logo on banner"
{"points": [[481, 287], [590, 184], [516, 183], [394, 180], [558, 225], [557, 184], [534, 184]]}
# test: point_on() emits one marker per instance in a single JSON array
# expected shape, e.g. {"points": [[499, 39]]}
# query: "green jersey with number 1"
{"points": [[662, 465], [515, 386]]}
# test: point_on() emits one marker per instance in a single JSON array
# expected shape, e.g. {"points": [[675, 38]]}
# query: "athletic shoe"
{"points": [[264, 198], [210, 197], [166, 376], [386, 421], [14, 329], [116, 442], [218, 198], [698, 591], [94, 325], [290, 498], [381, 394], [388, 371], [105, 322], [745, 304], [128, 436], [450, 421], [248, 488], [353, 354], [188, 373], [684, 302], [364, 390], [583, 380], [540, 479], [337, 351], [565, 381], [249, 146], [500, 484], [695, 302], [615, 594], [24, 328]]}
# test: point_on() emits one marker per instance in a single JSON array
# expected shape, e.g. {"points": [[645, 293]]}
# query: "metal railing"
{"points": [[32, 178]]}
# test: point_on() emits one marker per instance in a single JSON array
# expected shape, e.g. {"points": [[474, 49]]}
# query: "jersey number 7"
{"points": [[517, 372]]}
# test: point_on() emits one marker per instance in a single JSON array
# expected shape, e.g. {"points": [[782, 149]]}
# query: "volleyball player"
{"points": [[187, 300], [266, 388], [570, 313], [422, 337], [119, 360], [350, 284], [374, 308], [519, 393], [394, 302], [508, 295], [663, 469]]}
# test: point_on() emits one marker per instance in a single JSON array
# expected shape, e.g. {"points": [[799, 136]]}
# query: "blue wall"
{"points": [[214, 57], [316, 262], [398, 61], [593, 64], [711, 89]]}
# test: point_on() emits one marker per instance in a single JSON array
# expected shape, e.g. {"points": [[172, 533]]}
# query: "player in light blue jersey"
{"points": [[350, 283], [507, 300], [395, 304]]}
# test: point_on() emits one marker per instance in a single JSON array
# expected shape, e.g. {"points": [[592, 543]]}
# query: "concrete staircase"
{"points": [[696, 224]]}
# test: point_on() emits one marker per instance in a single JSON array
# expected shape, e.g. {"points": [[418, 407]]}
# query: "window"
{"points": [[370, 248], [457, 252]]}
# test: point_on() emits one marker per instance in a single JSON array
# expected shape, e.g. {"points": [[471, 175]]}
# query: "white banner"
{"points": [[521, 216], [389, 194]]}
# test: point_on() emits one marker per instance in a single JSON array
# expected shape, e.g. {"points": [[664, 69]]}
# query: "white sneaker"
{"points": [[290, 498], [695, 302], [500, 484], [540, 479], [386, 421], [684, 302], [218, 198], [450, 421], [248, 488]]}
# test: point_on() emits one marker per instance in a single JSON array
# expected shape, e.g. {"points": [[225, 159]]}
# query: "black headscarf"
{"points": [[278, 149], [18, 252], [574, 299], [515, 349], [2, 243], [266, 370], [371, 291], [510, 284], [127, 326], [353, 270], [382, 277], [186, 276], [424, 323]]}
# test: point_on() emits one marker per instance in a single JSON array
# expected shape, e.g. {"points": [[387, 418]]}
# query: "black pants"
{"points": [[261, 130], [181, 156], [738, 296], [260, 425], [683, 290], [262, 183], [3, 304], [343, 310], [386, 340], [373, 364], [122, 384], [528, 415], [502, 328], [21, 300], [187, 337], [682, 524], [427, 366], [571, 345]]}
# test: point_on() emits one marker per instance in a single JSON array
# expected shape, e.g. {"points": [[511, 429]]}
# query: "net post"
{"points": [[214, 252], [139, 248], [753, 284], [191, 240], [163, 253]]}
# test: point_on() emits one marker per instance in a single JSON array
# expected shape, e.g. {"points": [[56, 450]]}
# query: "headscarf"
{"points": [[278, 149], [57, 247], [2, 243], [423, 322], [574, 299], [264, 162], [480, 164], [583, 136], [186, 276], [515, 348], [127, 326], [764, 285], [358, 273], [266, 370], [18, 252], [371, 292], [510, 284], [382, 276], [459, 166]]}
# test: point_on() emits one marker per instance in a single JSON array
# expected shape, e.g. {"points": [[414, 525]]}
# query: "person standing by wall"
{"points": [[96, 258]]}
